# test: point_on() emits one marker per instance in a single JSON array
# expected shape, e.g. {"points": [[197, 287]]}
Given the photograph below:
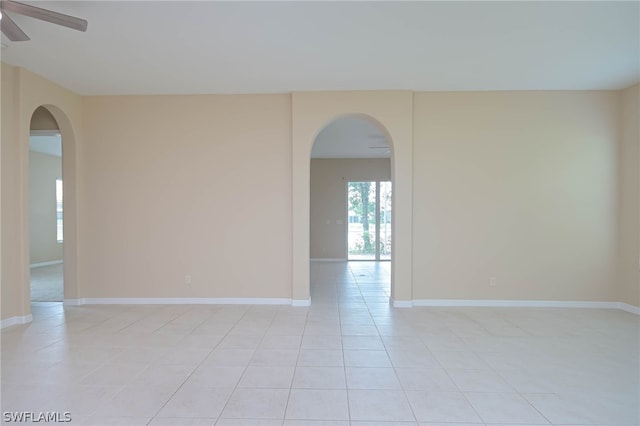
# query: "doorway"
{"points": [[46, 216], [369, 220], [390, 113]]}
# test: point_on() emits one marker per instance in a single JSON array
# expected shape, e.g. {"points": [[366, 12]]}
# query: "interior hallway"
{"points": [[348, 359]]}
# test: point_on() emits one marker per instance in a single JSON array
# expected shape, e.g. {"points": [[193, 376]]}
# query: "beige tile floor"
{"points": [[349, 359], [47, 283]]}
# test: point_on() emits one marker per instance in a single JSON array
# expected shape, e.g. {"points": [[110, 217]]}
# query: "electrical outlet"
{"points": [[187, 279], [492, 281]]}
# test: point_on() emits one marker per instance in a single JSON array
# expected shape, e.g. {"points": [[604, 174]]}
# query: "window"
{"points": [[59, 212]]}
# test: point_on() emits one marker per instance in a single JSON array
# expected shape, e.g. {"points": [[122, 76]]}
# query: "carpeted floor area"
{"points": [[47, 283]]}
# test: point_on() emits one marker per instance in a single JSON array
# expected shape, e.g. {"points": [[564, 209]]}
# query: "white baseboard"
{"points": [[524, 304], [53, 262], [444, 303], [402, 303], [16, 321], [323, 259], [179, 301], [629, 308]]}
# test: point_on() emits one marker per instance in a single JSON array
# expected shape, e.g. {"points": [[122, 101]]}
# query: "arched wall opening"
{"points": [[45, 117], [351, 199], [351, 191], [391, 113], [46, 214], [22, 93]]}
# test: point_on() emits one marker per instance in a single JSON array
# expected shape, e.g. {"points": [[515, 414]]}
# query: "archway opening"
{"points": [[350, 223], [46, 211]]}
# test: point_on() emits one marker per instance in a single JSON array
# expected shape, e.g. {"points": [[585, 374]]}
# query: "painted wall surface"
{"points": [[629, 226], [22, 92], [329, 179], [10, 195], [521, 186], [2, 137], [186, 185], [533, 188], [43, 171]]}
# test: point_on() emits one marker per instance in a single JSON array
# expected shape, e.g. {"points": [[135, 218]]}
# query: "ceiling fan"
{"points": [[14, 33]]}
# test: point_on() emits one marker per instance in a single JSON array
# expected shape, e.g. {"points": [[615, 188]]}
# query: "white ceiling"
{"points": [[193, 47], [157, 47]]}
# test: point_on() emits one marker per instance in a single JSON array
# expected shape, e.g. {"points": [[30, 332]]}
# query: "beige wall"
{"points": [[328, 221], [23, 92], [629, 221], [521, 186], [9, 171], [43, 171], [186, 185], [2, 137]]}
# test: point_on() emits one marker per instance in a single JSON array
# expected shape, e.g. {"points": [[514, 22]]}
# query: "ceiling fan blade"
{"points": [[11, 29], [44, 15]]}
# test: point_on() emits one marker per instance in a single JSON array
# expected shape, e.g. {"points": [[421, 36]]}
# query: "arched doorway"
{"points": [[46, 212], [391, 111], [351, 203], [351, 192], [45, 118]]}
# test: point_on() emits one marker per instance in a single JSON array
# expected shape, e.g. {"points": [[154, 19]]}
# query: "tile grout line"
{"points": [[344, 362], [196, 367]]}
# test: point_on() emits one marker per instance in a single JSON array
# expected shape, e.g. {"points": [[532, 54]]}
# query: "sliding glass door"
{"points": [[384, 213], [369, 220]]}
